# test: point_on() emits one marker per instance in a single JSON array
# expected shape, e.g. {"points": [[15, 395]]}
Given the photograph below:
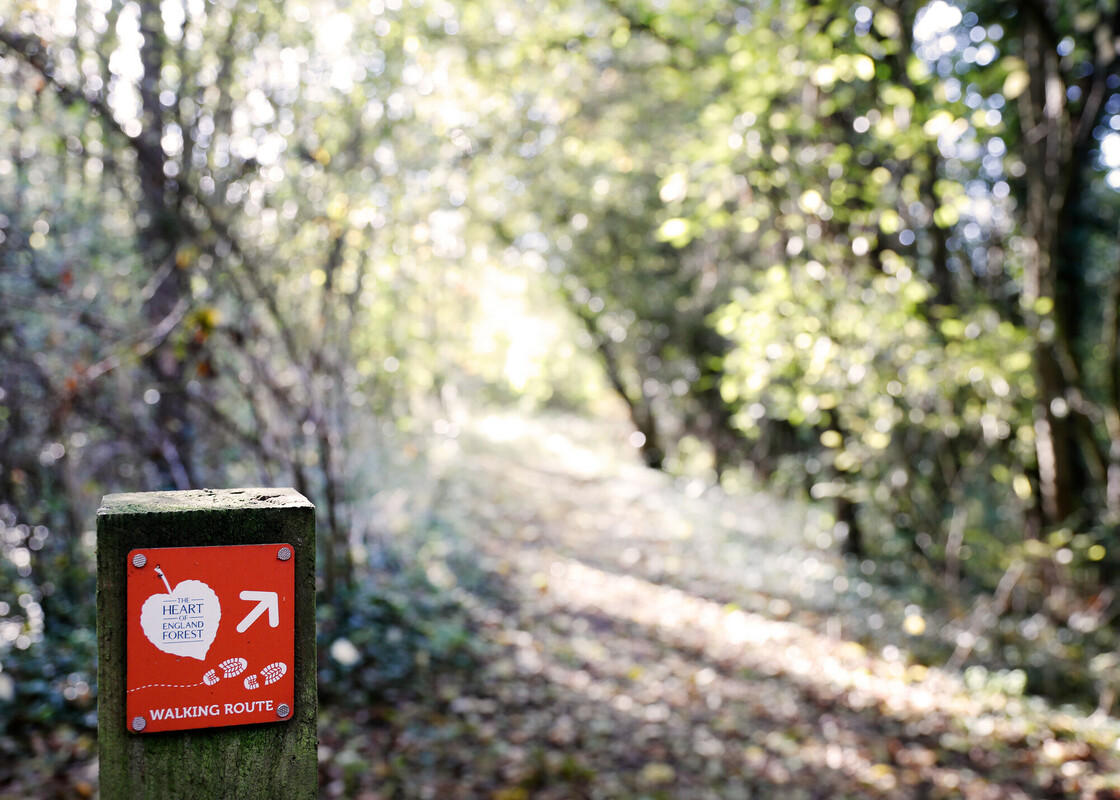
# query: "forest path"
{"points": [[655, 639]]}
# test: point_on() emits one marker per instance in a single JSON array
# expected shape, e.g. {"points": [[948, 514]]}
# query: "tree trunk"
{"points": [[159, 235], [1048, 170]]}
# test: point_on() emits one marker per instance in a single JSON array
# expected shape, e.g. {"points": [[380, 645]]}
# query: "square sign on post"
{"points": [[206, 622], [211, 636]]}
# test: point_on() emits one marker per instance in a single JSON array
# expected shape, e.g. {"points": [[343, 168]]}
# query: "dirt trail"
{"points": [[650, 639]]}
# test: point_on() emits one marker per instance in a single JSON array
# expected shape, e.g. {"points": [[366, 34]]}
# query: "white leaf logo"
{"points": [[183, 621]]}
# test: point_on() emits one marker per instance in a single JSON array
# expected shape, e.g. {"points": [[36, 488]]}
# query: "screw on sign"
{"points": [[210, 636]]}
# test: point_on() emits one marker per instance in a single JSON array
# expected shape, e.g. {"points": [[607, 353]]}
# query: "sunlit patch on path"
{"points": [[731, 673]]}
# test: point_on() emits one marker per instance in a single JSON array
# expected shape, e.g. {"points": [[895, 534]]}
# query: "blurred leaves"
{"points": [[380, 640], [863, 253]]}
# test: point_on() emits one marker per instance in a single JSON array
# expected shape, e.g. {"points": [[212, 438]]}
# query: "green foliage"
{"points": [[380, 639], [47, 644], [879, 386]]}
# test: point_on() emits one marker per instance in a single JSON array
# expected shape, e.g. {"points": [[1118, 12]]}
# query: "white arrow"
{"points": [[266, 601]]}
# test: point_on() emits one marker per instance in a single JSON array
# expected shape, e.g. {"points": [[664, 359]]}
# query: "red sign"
{"points": [[211, 636]]}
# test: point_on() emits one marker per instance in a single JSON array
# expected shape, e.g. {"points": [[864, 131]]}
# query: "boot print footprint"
{"points": [[272, 673], [230, 668]]}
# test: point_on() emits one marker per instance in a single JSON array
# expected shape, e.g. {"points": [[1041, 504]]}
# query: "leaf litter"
{"points": [[643, 637]]}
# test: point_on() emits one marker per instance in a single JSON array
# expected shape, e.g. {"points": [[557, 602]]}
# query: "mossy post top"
{"points": [[198, 517], [257, 760], [201, 500]]}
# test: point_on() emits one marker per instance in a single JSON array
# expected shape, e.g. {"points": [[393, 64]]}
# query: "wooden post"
{"points": [[270, 759]]}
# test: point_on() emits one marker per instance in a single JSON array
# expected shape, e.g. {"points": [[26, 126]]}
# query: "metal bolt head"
{"points": [[284, 554], [139, 723], [139, 560], [283, 711]]}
